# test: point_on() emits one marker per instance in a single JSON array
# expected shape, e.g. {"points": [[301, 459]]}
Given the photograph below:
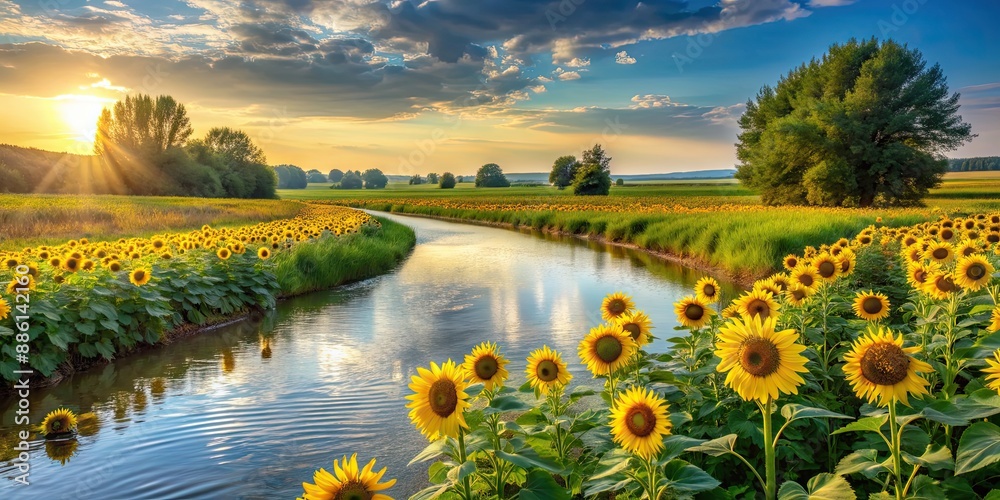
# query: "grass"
{"points": [[720, 224], [40, 219]]}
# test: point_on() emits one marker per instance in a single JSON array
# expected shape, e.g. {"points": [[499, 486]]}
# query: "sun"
{"points": [[80, 114]]}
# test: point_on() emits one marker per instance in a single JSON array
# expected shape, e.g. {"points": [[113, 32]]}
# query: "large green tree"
{"points": [[865, 125], [374, 179], [491, 175], [563, 171], [245, 173]]}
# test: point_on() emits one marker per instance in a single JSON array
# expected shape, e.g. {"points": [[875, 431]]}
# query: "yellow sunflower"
{"points": [[437, 407], [880, 369], [486, 365], [758, 303], [761, 362], [263, 253], [707, 290], [224, 253], [692, 312], [639, 422], [768, 285], [917, 272], [973, 272], [731, 311], [992, 371], [940, 285], [939, 252], [615, 305], [606, 349], [58, 421], [4, 309], [871, 306], [139, 277], [638, 325], [798, 295], [848, 261], [791, 261], [546, 370], [806, 276], [995, 320], [781, 281], [347, 482], [827, 266]]}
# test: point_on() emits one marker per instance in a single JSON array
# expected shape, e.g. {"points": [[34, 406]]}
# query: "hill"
{"points": [[30, 170]]}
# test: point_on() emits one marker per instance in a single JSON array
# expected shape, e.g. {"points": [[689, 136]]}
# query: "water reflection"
{"points": [[250, 410]]}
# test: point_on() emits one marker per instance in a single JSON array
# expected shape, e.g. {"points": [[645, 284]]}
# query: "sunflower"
{"points": [[791, 261], [639, 422], [437, 407], [939, 252], [798, 295], [139, 277], [973, 272], [992, 371], [114, 266], [758, 303], [57, 422], [848, 261], [606, 349], [707, 290], [546, 370], [71, 264], [638, 326], [968, 248], [940, 285], [880, 369], [731, 311], [871, 306], [616, 304], [4, 308], [224, 253], [806, 276], [762, 362], [347, 482], [486, 365], [827, 266], [692, 312], [995, 320], [768, 285], [946, 234], [263, 253], [781, 281], [917, 273]]}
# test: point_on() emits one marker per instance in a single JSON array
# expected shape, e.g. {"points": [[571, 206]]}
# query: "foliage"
{"points": [[335, 175], [447, 180], [432, 178], [620, 182], [591, 180], [863, 126], [563, 172], [491, 175], [351, 180], [974, 164], [291, 177], [239, 163], [416, 180], [374, 179], [315, 176]]}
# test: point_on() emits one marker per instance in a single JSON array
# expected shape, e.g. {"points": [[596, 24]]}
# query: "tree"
{"points": [[315, 176], [563, 171], [416, 179], [291, 177], [865, 125], [592, 179], [335, 175], [432, 178], [597, 155], [491, 175], [447, 180], [620, 182], [245, 173], [351, 180], [374, 179], [460, 179]]}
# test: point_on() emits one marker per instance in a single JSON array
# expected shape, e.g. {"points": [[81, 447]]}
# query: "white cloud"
{"points": [[576, 62], [569, 75], [623, 58], [830, 3], [651, 101]]}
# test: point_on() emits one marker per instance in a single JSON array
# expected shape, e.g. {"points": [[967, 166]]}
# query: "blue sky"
{"points": [[415, 87]]}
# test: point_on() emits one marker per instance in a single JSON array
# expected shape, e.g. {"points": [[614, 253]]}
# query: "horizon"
{"points": [[406, 89]]}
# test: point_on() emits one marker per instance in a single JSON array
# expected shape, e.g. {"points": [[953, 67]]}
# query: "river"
{"points": [[252, 409]]}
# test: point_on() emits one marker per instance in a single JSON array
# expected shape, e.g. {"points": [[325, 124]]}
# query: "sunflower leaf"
{"points": [[527, 459], [430, 493], [433, 450], [675, 445], [867, 424], [794, 411], [718, 446], [542, 486], [506, 403], [979, 447], [934, 458], [925, 488], [863, 461], [821, 487]]}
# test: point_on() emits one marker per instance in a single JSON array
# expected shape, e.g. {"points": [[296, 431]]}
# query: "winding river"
{"points": [[251, 409]]}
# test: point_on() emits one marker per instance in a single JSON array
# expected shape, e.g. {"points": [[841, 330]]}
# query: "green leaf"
{"points": [[979, 447], [506, 403], [867, 424], [86, 327], [457, 474], [683, 477], [437, 473], [676, 444], [580, 392], [540, 485], [718, 446], [430, 493], [934, 458], [104, 308], [992, 495], [433, 450], [925, 488], [863, 461], [611, 463], [821, 487], [794, 411], [527, 459]]}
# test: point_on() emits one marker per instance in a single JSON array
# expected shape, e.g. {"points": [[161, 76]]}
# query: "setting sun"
{"points": [[80, 114]]}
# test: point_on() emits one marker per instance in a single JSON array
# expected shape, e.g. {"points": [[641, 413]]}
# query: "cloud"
{"points": [[623, 58], [576, 62], [830, 3], [651, 101], [569, 75]]}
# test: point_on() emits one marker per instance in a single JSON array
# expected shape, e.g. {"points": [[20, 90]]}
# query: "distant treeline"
{"points": [[974, 164], [30, 170]]}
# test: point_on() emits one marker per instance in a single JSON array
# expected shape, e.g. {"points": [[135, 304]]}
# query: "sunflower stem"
{"points": [[466, 485], [897, 466], [770, 487], [651, 477]]}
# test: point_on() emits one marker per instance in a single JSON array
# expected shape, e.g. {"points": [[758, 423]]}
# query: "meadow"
{"points": [[715, 225]]}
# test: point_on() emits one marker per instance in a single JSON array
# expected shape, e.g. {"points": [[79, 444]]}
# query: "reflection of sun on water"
{"points": [[80, 114]]}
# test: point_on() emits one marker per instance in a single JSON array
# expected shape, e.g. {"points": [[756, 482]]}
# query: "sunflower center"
{"points": [[140, 275], [708, 291], [793, 262], [353, 490], [608, 348], [547, 371], [806, 280], [940, 253], [947, 234], [976, 271], [920, 276], [845, 266], [885, 363], [872, 305], [694, 312], [945, 284], [759, 357], [798, 294], [443, 398], [640, 420], [633, 329], [758, 307], [826, 269], [616, 306], [486, 367]]}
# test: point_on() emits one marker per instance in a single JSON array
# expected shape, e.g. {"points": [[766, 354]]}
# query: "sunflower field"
{"points": [[869, 368], [82, 300]]}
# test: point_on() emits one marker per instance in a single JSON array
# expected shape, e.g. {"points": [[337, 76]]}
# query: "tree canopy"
{"points": [[335, 175], [563, 171], [447, 180], [351, 180], [315, 176], [865, 125], [374, 179], [977, 164], [291, 177], [491, 175]]}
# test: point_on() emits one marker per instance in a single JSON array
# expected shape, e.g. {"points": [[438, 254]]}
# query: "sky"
{"points": [[413, 87]]}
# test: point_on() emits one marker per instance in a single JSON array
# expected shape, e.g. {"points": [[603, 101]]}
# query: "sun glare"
{"points": [[80, 114]]}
